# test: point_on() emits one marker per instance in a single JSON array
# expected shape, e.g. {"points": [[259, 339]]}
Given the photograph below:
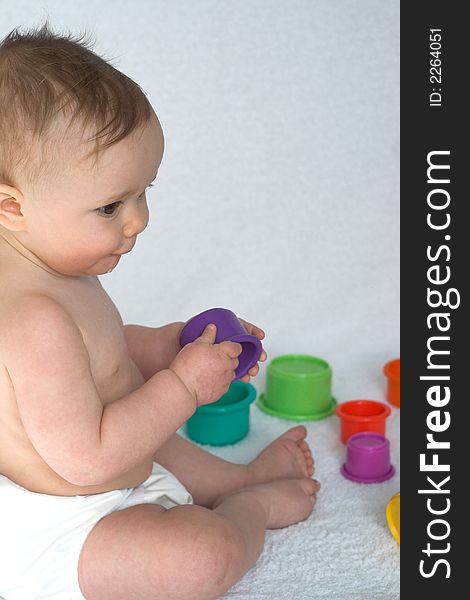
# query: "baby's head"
{"points": [[79, 145]]}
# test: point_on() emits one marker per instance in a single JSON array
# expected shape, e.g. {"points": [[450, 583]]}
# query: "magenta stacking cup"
{"points": [[368, 458], [229, 328]]}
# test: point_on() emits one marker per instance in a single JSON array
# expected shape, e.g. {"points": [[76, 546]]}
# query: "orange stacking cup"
{"points": [[392, 373], [362, 415]]}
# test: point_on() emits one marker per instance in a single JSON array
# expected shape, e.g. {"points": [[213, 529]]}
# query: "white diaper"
{"points": [[41, 535]]}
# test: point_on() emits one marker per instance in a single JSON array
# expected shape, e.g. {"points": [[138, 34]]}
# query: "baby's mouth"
{"points": [[127, 251]]}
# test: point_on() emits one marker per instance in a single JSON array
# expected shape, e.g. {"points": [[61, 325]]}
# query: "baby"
{"points": [[99, 497]]}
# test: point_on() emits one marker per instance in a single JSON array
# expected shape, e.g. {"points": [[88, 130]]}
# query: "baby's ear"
{"points": [[11, 216]]}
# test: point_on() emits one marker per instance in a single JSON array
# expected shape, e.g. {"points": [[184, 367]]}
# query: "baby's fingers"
{"points": [[232, 349], [208, 335], [252, 329], [253, 371]]}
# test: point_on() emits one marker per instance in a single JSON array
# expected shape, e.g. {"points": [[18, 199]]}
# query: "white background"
{"points": [[278, 192]]}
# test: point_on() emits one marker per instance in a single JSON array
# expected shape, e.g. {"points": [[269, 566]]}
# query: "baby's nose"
{"points": [[136, 222]]}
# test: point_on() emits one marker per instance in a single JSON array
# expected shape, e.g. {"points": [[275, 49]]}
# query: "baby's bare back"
{"points": [[113, 371]]}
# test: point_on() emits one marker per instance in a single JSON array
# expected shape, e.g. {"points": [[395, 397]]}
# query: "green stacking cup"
{"points": [[298, 387], [226, 421]]}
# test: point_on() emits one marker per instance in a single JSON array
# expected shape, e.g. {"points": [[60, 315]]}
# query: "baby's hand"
{"points": [[259, 333], [207, 369]]}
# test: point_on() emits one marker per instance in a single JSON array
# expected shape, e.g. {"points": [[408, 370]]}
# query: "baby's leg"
{"points": [[207, 476], [188, 552], [203, 474]]}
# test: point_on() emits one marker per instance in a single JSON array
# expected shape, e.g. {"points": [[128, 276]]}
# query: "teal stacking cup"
{"points": [[226, 421], [298, 387]]}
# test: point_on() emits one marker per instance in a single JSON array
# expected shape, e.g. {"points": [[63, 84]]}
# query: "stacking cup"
{"points": [[229, 328], [392, 373], [298, 387], [226, 421], [368, 458], [393, 516], [362, 415]]}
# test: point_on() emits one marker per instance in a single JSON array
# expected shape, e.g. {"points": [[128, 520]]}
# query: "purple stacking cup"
{"points": [[229, 329], [368, 458]]}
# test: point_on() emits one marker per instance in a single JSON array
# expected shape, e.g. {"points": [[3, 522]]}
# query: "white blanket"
{"points": [[344, 550]]}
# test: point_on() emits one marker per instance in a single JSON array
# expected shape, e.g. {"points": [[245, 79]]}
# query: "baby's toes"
{"points": [[312, 489], [310, 466], [302, 466], [306, 450], [310, 486]]}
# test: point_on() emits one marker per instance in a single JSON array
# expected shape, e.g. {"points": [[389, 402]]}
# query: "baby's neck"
{"points": [[11, 245]]}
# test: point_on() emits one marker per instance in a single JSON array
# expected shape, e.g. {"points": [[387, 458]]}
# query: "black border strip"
{"points": [[434, 270]]}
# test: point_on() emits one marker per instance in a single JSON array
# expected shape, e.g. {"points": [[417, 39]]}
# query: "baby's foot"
{"points": [[288, 456], [286, 501]]}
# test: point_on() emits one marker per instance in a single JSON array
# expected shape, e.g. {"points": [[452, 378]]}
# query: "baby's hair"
{"points": [[44, 76]]}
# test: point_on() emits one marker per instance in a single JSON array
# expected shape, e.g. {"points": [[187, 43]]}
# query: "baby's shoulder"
{"points": [[26, 305], [30, 315]]}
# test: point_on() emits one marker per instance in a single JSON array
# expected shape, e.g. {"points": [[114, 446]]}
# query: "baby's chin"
{"points": [[102, 266], [116, 259], [105, 265]]}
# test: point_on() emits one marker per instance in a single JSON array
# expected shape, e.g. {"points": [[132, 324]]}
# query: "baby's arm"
{"points": [[153, 348], [60, 408]]}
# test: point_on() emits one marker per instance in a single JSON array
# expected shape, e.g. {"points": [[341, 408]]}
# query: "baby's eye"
{"points": [[109, 210], [143, 193]]}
